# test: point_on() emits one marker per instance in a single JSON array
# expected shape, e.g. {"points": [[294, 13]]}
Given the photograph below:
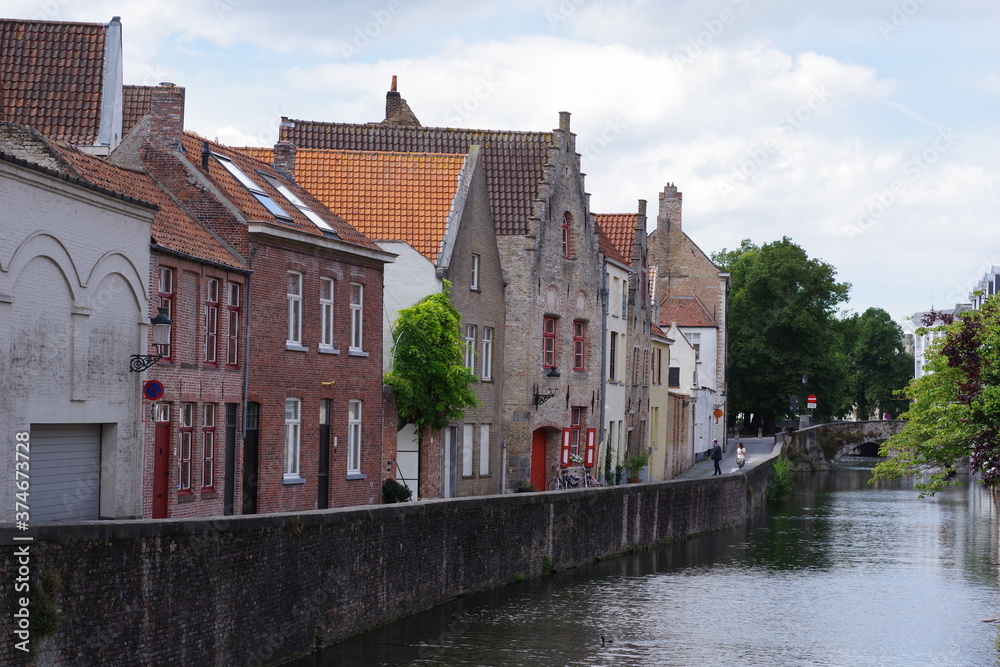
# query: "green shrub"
{"points": [[394, 492], [780, 482]]}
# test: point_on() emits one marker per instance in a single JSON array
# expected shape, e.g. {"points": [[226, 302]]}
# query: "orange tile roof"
{"points": [[398, 196], [51, 76], [253, 209], [515, 162], [136, 103], [606, 246], [687, 311], [620, 228]]}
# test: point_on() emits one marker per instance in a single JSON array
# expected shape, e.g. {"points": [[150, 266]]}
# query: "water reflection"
{"points": [[842, 573]]}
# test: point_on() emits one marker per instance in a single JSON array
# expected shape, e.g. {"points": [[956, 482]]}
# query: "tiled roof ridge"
{"points": [[69, 173], [410, 129], [93, 24]]}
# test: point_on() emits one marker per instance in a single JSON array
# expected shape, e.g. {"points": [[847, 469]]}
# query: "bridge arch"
{"points": [[819, 447]]}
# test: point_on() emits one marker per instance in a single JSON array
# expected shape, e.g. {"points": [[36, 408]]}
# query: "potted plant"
{"points": [[634, 463]]}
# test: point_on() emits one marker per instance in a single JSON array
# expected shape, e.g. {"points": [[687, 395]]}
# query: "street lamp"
{"points": [[552, 382], [161, 340]]}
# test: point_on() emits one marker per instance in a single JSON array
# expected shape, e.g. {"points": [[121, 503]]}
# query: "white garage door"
{"points": [[65, 472]]}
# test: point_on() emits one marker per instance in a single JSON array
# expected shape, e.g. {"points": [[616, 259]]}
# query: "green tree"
{"points": [[877, 365], [432, 385], [781, 327], [956, 406]]}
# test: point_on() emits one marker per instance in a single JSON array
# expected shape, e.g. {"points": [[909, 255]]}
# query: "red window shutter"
{"points": [[564, 452], [591, 453]]}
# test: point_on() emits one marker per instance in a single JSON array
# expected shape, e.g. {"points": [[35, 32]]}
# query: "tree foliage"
{"points": [[877, 365], [433, 387], [956, 405], [781, 326]]}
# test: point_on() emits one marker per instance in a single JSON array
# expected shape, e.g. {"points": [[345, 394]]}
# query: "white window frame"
{"points": [[212, 321], [233, 305], [354, 437], [484, 449], [475, 272], [294, 297], [208, 446], [357, 317], [326, 313], [487, 367], [468, 432], [470, 347], [293, 436]]}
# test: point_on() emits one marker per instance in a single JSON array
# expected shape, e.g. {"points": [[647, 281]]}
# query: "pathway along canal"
{"points": [[842, 573]]}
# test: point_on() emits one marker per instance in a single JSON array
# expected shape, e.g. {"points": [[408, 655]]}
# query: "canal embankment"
{"points": [[261, 589]]}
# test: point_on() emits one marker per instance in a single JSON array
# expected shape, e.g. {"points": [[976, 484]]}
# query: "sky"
{"points": [[864, 130]]}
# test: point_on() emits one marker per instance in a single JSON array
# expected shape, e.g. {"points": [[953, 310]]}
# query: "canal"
{"points": [[841, 573]]}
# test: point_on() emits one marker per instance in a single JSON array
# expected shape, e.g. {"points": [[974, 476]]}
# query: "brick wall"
{"points": [[255, 590]]}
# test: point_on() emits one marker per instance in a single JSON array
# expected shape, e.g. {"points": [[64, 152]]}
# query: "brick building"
{"points": [[313, 413], [681, 269], [550, 259], [431, 210]]}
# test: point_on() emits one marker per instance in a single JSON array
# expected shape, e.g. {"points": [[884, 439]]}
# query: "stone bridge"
{"points": [[818, 447]]}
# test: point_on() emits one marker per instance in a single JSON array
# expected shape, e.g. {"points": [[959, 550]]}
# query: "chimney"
{"points": [[206, 155], [284, 158], [167, 109], [564, 120], [393, 101], [670, 208]]}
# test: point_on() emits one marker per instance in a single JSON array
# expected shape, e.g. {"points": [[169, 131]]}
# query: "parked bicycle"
{"points": [[572, 478]]}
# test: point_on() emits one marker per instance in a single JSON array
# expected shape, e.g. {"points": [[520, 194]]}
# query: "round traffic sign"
{"points": [[152, 390]]}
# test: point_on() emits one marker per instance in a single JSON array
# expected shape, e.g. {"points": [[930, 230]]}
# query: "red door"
{"points": [[538, 459], [161, 471]]}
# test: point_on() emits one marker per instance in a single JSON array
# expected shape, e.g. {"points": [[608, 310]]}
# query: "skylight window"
{"points": [[299, 204], [255, 190]]}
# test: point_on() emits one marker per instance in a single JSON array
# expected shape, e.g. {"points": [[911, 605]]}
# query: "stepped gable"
{"points": [[620, 229], [387, 196], [686, 311], [514, 161], [51, 76], [251, 207]]}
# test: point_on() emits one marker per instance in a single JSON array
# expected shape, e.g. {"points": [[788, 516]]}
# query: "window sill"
{"points": [[295, 347], [327, 350], [292, 481], [209, 493], [356, 475], [185, 496], [357, 353]]}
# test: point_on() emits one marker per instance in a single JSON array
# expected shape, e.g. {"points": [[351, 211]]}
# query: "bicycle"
{"points": [[589, 480], [564, 479]]}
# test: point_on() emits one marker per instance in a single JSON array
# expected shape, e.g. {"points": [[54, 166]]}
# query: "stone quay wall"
{"points": [[258, 590]]}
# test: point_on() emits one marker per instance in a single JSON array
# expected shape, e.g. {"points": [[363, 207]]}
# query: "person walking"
{"points": [[716, 457], [741, 455]]}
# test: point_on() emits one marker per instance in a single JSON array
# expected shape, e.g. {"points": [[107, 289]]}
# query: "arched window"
{"points": [[567, 220]]}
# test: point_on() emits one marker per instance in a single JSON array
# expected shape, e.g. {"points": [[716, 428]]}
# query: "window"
{"points": [[484, 449], [624, 299], [613, 356], [549, 342], [326, 313], [211, 320], [576, 430], [253, 187], [475, 272], [233, 333], [354, 438], [357, 312], [487, 360], [635, 365], [658, 366], [184, 460], [565, 235], [166, 295], [615, 296], [294, 309], [293, 428], [467, 432], [695, 340], [298, 203], [673, 376], [579, 345], [208, 447], [470, 347]]}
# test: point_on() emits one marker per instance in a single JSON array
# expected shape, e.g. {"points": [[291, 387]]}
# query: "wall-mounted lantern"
{"points": [[161, 340]]}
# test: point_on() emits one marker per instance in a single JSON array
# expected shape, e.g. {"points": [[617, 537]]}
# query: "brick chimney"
{"points": [[284, 158], [397, 111], [167, 109]]}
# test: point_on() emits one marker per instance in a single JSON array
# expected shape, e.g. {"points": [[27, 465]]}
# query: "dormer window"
{"points": [[255, 190]]}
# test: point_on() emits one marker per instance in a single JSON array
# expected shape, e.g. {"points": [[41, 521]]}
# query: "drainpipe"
{"points": [[604, 361], [246, 362]]}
